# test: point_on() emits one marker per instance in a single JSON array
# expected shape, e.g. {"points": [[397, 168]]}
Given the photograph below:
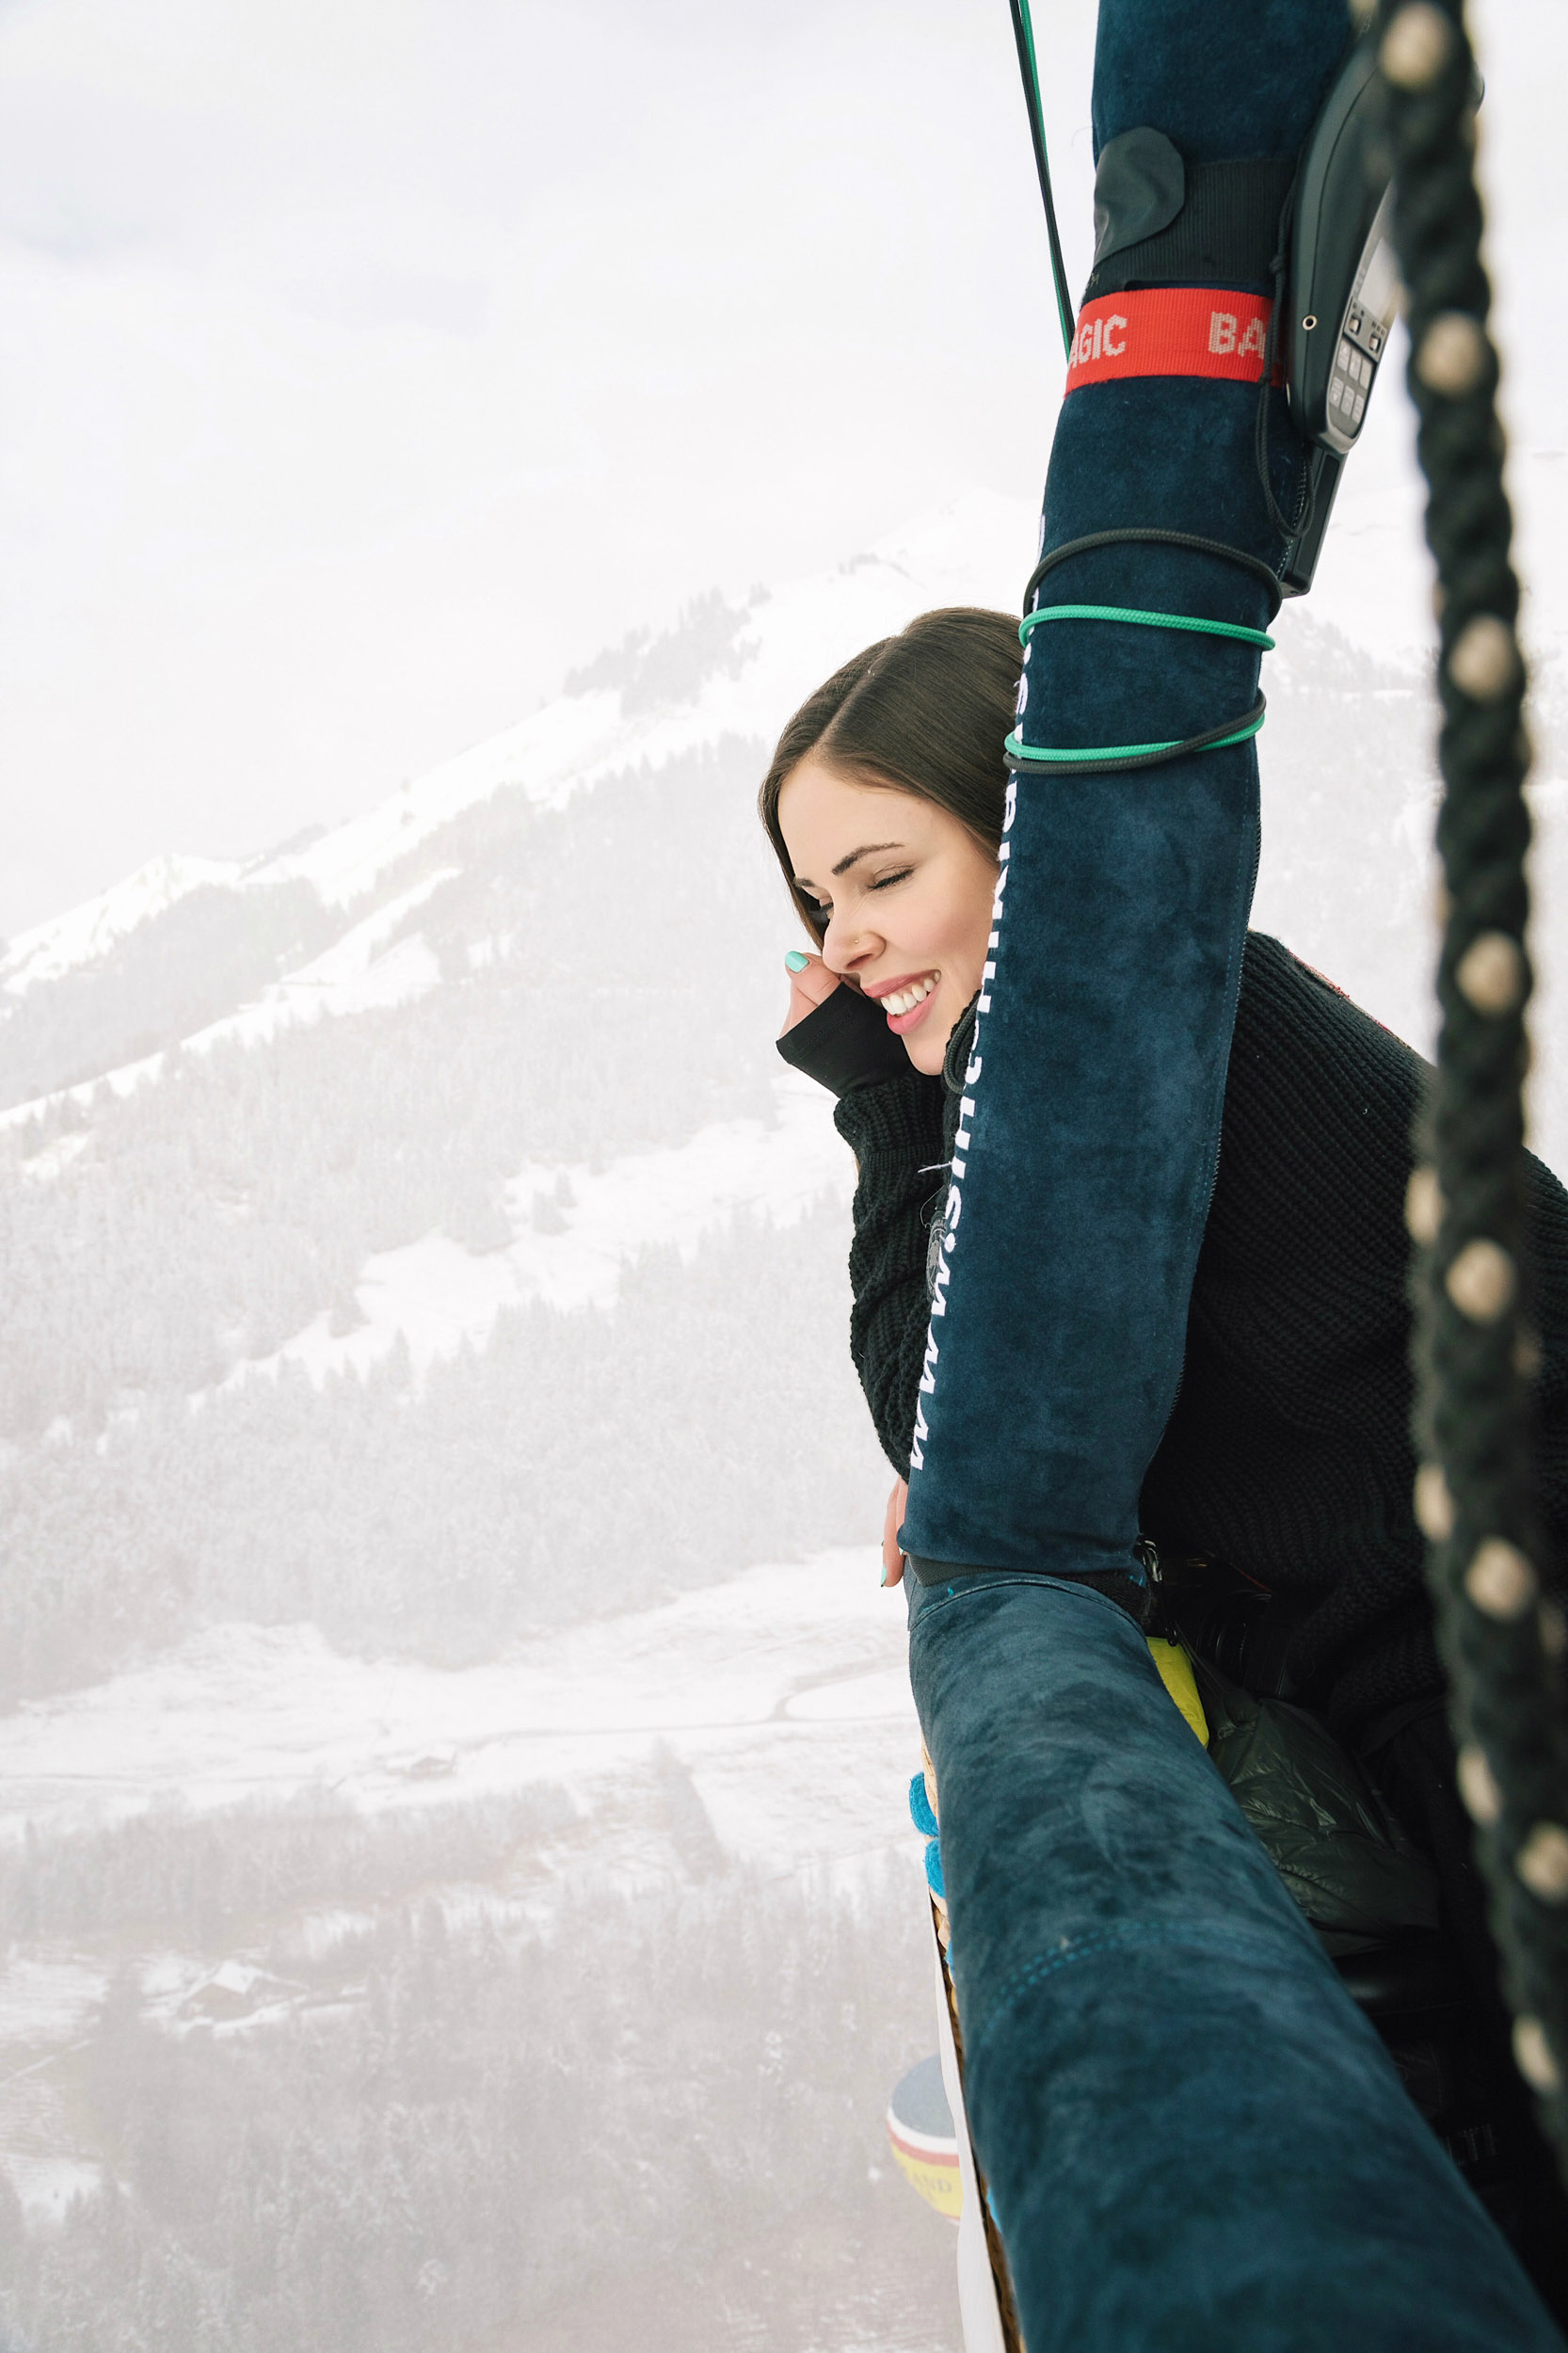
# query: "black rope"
{"points": [[1138, 534], [1499, 1635], [1151, 755]]}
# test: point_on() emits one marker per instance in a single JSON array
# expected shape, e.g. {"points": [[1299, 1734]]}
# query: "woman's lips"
{"points": [[901, 1023]]}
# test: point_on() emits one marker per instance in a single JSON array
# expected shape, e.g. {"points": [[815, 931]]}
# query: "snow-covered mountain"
{"points": [[726, 672], [443, 1162]]}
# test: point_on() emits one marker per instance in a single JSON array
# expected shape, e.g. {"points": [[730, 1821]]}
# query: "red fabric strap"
{"points": [[1170, 330]]}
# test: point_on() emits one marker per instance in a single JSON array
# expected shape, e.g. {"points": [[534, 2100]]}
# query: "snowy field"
{"points": [[575, 1228], [784, 1690], [781, 1696], [741, 1746]]}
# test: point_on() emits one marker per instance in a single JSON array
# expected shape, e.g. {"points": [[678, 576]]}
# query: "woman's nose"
{"points": [[844, 947], [846, 944]]}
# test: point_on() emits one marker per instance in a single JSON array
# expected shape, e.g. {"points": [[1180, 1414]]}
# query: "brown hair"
{"points": [[925, 713]]}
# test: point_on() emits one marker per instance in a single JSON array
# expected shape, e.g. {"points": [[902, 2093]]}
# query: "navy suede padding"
{"points": [[1223, 78], [1191, 2137], [1088, 1159]]}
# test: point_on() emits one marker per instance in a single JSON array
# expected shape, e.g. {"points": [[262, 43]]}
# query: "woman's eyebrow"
{"points": [[867, 849]]}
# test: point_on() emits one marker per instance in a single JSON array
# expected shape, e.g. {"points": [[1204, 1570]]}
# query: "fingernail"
{"points": [[795, 962]]}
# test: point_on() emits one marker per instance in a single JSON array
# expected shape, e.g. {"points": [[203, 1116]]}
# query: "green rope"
{"points": [[1023, 29], [1033, 756], [1028, 755], [1145, 620]]}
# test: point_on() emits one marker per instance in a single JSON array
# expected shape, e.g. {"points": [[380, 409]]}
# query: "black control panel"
{"points": [[1362, 338]]}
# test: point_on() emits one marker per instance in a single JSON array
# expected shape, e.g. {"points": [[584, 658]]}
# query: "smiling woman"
{"points": [[883, 804], [905, 916]]}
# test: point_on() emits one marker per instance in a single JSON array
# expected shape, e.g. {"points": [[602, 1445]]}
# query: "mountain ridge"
{"points": [[647, 700], [451, 1258]]}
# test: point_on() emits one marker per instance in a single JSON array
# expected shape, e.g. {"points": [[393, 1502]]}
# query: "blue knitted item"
{"points": [[925, 1822]]}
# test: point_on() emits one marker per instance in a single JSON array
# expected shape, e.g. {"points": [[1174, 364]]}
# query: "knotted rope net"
{"points": [[1501, 1633]]}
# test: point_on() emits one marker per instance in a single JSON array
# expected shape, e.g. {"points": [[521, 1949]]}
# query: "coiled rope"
{"points": [[1085, 759], [1501, 1637]]}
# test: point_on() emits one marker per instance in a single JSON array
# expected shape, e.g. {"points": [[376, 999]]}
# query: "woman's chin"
{"points": [[927, 1046]]}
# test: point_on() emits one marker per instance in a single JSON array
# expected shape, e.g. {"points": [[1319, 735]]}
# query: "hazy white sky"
{"points": [[363, 366]]}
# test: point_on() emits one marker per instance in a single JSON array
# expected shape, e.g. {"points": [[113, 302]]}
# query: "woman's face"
{"points": [[908, 890]]}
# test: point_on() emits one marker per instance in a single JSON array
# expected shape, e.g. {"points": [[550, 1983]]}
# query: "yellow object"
{"points": [[1175, 1673], [920, 2130], [937, 2179]]}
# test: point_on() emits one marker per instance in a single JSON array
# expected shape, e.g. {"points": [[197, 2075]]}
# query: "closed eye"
{"points": [[886, 882]]}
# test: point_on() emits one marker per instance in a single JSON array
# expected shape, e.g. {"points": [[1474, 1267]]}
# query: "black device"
{"points": [[1340, 294]]}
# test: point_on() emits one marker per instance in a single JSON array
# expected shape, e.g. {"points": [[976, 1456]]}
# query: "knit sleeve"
{"points": [[895, 1132], [1383, 1075], [1289, 1452], [845, 1044]]}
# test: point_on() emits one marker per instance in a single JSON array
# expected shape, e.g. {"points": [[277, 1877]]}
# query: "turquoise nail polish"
{"points": [[796, 961]]}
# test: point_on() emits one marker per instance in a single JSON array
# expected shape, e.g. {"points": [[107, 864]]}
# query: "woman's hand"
{"points": [[892, 1559], [833, 1033], [809, 987]]}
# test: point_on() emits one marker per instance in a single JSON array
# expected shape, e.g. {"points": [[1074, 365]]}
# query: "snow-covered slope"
{"points": [[726, 672], [90, 931], [445, 1160], [764, 658], [573, 1231], [784, 1688]]}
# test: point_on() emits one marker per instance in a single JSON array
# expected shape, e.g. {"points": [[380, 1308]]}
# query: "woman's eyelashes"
{"points": [[821, 910]]}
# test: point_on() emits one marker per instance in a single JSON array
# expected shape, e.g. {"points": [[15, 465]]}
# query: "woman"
{"points": [[1287, 1457]]}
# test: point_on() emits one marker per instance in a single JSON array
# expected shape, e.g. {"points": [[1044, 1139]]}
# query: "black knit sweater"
{"points": [[1289, 1454]]}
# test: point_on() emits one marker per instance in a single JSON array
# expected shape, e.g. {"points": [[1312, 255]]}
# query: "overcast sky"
{"points": [[364, 363]]}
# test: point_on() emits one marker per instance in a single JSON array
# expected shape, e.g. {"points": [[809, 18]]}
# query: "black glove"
{"points": [[845, 1044]]}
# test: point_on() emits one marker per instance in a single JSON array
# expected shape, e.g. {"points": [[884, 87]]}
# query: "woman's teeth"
{"points": [[905, 1000]]}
